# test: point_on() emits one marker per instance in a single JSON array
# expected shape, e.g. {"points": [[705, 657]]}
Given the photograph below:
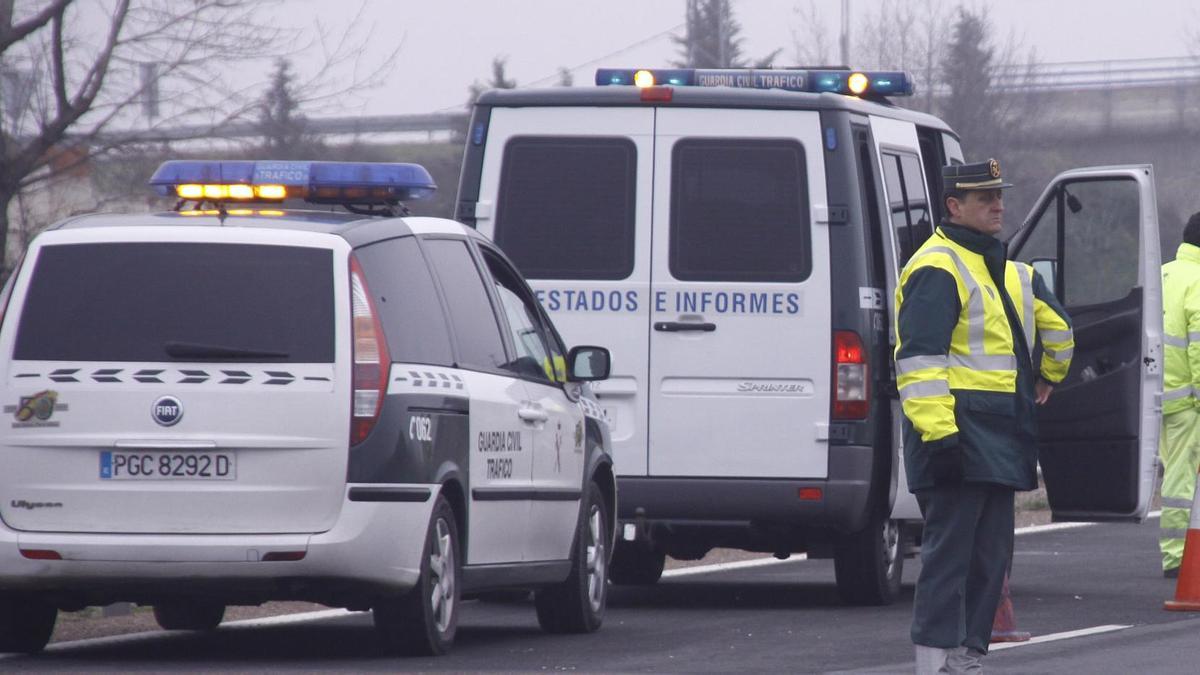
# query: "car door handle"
{"points": [[680, 326], [533, 414]]}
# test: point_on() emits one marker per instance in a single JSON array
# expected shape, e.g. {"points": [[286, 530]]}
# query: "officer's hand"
{"points": [[1043, 390], [947, 465]]}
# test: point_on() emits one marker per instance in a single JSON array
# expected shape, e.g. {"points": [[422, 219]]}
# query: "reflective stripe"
{"points": [[1061, 354], [1176, 503], [1172, 341], [975, 311], [1027, 304], [1057, 336], [915, 363], [1172, 534], [1176, 394], [924, 389], [1193, 337], [984, 361]]}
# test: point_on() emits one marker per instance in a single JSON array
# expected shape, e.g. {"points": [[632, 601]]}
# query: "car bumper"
{"points": [[374, 548]]}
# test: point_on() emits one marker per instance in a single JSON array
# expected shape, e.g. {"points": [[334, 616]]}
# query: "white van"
{"points": [[734, 237]]}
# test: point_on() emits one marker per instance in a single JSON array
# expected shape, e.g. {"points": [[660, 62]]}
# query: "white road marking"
{"points": [[1054, 637], [737, 565]]}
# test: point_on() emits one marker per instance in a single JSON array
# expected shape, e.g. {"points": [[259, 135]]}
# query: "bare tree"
{"points": [[83, 70], [811, 38], [499, 80]]}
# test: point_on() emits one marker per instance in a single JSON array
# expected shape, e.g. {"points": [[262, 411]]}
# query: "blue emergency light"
{"points": [[355, 183], [850, 82]]}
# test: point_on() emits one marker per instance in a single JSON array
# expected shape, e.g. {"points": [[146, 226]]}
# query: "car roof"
{"points": [[356, 229], [706, 97]]}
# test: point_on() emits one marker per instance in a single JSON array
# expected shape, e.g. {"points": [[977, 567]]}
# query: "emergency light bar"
{"points": [[850, 82], [360, 183]]}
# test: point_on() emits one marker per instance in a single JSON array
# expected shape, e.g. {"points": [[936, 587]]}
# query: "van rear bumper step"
{"points": [[843, 504]]}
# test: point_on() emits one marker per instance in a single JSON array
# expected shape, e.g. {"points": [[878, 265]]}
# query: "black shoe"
{"points": [[1172, 573]]}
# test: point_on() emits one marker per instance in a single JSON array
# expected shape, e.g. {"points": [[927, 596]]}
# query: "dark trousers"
{"points": [[966, 547]]}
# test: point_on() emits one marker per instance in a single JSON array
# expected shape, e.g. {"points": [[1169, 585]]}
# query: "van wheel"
{"points": [[423, 621], [869, 564], [189, 615], [637, 563], [577, 604], [26, 623]]}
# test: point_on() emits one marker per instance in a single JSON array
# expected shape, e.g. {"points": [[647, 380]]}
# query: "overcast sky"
{"points": [[446, 44]]}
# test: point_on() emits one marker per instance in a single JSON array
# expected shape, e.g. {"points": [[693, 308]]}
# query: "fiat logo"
{"points": [[167, 411]]}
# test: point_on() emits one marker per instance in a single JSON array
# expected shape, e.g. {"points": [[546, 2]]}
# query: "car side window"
{"points": [[534, 357], [476, 331], [407, 300]]}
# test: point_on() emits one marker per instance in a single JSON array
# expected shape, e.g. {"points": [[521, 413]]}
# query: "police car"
{"points": [[232, 403], [739, 234]]}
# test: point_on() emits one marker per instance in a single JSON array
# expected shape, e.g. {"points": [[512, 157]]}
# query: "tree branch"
{"points": [[10, 34]]}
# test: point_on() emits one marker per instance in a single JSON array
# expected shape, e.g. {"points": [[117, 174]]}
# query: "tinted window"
{"points": [[475, 329], [739, 211], [126, 302], [908, 202], [524, 324], [408, 304], [566, 207]]}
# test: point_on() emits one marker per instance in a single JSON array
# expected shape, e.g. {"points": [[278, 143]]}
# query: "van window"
{"points": [[739, 211], [129, 301], [407, 301], [908, 202], [476, 331], [566, 207]]}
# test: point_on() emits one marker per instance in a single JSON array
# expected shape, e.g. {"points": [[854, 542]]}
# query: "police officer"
{"points": [[1179, 442], [968, 388]]}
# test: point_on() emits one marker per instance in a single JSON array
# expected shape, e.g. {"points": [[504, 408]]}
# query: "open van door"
{"points": [[1093, 236]]}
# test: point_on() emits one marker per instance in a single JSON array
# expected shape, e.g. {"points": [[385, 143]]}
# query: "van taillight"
{"points": [[372, 362], [849, 376]]}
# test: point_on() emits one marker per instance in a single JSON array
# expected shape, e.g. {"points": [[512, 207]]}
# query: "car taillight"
{"points": [[849, 376], [372, 362]]}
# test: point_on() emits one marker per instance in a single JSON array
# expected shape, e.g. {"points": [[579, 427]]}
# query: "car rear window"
{"points": [[140, 301], [566, 207]]}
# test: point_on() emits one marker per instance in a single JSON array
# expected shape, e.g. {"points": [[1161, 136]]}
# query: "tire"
{"points": [[26, 623], [423, 621], [577, 604], [870, 564], [636, 563], [189, 615]]}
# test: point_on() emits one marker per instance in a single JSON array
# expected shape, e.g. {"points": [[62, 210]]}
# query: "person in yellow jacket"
{"points": [[1179, 442], [964, 322]]}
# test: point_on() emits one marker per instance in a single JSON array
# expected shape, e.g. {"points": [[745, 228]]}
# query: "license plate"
{"points": [[167, 465]]}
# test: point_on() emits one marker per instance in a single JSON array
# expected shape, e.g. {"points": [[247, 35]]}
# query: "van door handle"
{"points": [[679, 326], [532, 414]]}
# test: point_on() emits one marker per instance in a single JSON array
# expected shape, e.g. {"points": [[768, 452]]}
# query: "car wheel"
{"points": [[636, 563], [423, 621], [577, 604], [869, 564], [190, 615], [26, 623]]}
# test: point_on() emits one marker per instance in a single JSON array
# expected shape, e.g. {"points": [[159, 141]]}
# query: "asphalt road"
{"points": [[778, 616]]}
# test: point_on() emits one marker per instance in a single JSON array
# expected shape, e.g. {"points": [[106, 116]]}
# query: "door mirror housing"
{"points": [[1047, 267], [586, 363]]}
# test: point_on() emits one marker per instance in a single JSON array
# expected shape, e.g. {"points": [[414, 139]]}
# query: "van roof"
{"points": [[705, 97]]}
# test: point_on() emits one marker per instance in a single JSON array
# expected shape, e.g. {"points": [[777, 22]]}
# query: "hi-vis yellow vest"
{"points": [[1181, 329], [982, 353]]}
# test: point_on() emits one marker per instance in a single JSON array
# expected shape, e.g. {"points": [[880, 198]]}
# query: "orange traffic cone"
{"points": [[1187, 589], [1004, 626]]}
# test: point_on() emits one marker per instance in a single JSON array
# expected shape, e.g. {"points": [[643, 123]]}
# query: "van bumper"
{"points": [[844, 504], [373, 549]]}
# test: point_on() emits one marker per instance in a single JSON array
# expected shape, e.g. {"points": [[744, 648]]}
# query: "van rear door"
{"points": [[567, 197], [1093, 234], [740, 334], [181, 385]]}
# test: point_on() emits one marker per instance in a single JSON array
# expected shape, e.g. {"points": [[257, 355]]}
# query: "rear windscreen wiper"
{"points": [[195, 350]]}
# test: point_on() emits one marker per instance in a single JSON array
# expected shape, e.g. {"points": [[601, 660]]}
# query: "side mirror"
{"points": [[1047, 267], [588, 364]]}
